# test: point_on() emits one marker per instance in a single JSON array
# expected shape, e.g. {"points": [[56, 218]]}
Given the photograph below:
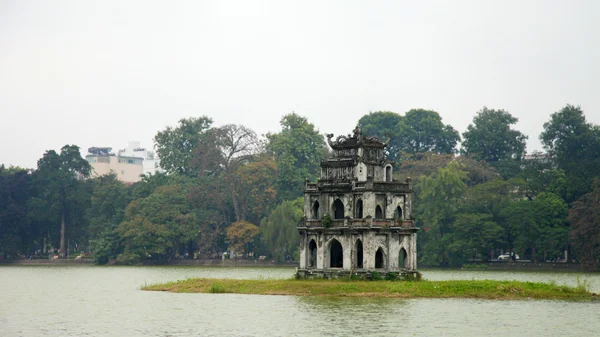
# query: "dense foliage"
{"points": [[225, 189]]}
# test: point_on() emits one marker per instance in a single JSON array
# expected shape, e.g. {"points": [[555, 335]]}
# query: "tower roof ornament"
{"points": [[356, 139]]}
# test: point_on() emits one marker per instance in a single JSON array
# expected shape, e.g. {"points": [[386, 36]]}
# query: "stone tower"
{"points": [[357, 219]]}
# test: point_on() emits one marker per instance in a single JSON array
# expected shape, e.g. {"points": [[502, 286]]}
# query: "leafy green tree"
{"points": [[551, 214], [540, 175], [15, 222], [491, 138], [148, 184], [575, 145], [437, 207], [109, 199], [298, 150], [213, 210], [158, 226], [58, 182], [279, 231], [584, 217], [422, 130], [539, 225], [176, 146], [383, 125], [473, 235], [418, 131]]}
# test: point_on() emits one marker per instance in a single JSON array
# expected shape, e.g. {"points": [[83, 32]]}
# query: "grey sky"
{"points": [[101, 73]]}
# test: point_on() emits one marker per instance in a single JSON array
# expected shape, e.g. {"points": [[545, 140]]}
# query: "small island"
{"points": [[482, 289]]}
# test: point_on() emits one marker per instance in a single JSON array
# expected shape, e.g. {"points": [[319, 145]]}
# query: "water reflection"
{"points": [[359, 316]]}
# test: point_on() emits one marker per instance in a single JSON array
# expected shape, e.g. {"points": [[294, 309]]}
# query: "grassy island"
{"points": [[485, 289]]}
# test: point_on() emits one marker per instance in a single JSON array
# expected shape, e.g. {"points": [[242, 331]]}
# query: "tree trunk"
{"points": [[62, 235], [236, 208]]}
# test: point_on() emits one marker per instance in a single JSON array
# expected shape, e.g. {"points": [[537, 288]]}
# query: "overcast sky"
{"points": [[102, 73]]}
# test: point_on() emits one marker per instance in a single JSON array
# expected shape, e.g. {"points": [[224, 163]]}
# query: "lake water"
{"points": [[44, 301]]}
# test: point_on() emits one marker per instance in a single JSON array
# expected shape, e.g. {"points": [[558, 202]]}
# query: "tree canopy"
{"points": [[298, 149], [491, 138]]}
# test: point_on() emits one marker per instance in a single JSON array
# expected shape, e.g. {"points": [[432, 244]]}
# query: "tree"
{"points": [[421, 131], [253, 187], [473, 235], [240, 234], [584, 217], [491, 138], [279, 230], [237, 145], [158, 226], [175, 146], [575, 146], [109, 199], [416, 132], [383, 125], [298, 150], [541, 175], [58, 180], [539, 224], [15, 222], [439, 200]]}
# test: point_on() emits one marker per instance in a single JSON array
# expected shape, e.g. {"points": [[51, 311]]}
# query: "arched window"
{"points": [[359, 254], [388, 173], [379, 258], [336, 254], [315, 214], [359, 209], [378, 212], [312, 248], [338, 209], [398, 213], [402, 260]]}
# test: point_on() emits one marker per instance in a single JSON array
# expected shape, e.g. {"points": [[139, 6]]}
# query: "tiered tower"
{"points": [[357, 219]]}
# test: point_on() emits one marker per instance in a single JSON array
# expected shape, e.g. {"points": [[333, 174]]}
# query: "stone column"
{"points": [[303, 251], [320, 251], [347, 250], [413, 251]]}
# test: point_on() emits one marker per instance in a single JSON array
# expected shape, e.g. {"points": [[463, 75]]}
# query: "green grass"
{"points": [[486, 289]]}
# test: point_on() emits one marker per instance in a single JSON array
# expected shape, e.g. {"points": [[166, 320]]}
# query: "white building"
{"points": [[150, 163], [127, 168]]}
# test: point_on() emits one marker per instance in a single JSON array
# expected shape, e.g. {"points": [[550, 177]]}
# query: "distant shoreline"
{"points": [[199, 263], [493, 266]]}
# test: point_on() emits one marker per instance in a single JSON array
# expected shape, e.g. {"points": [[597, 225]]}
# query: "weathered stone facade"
{"points": [[357, 219]]}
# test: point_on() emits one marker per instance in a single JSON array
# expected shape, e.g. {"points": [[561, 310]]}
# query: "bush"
{"points": [[216, 288]]}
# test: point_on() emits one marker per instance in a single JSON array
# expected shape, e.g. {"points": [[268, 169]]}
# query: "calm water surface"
{"points": [[106, 301]]}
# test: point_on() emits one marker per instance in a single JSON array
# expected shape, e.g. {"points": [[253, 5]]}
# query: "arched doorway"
{"points": [[312, 249], [359, 254], [378, 212], [402, 260], [315, 214], [398, 213], [359, 209], [336, 254], [338, 209], [388, 173], [379, 259]]}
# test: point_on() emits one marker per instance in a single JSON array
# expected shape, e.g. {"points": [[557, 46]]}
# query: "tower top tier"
{"points": [[355, 141], [356, 148]]}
